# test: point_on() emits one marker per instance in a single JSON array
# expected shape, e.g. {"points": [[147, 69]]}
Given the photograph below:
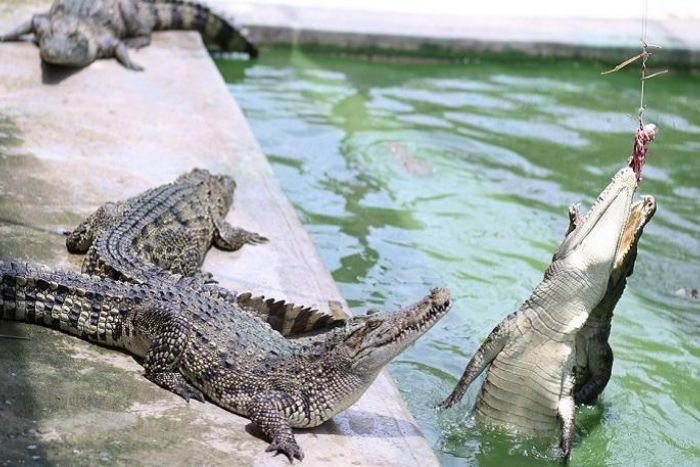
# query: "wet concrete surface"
{"points": [[72, 141]]}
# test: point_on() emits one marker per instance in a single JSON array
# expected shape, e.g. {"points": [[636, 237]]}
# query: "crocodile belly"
{"points": [[521, 394]]}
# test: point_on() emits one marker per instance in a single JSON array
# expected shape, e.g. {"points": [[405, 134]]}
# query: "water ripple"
{"points": [[411, 176]]}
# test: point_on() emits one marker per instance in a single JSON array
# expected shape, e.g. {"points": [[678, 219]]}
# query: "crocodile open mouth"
{"points": [[419, 319], [434, 313], [382, 336], [594, 225], [640, 214]]}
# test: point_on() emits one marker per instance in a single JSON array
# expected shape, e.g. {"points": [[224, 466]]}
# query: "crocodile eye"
{"points": [[372, 325]]}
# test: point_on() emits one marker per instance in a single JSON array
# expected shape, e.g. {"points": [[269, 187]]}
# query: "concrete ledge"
{"points": [[445, 36], [68, 143]]}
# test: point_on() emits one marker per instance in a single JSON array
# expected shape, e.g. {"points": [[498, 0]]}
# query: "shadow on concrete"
{"points": [[19, 431], [54, 74], [20, 442], [366, 424]]}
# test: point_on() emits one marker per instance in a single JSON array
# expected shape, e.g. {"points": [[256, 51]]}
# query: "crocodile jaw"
{"points": [[382, 336], [640, 214], [592, 247]]}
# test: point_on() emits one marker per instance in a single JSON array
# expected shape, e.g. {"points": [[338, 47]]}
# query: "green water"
{"points": [[409, 176]]}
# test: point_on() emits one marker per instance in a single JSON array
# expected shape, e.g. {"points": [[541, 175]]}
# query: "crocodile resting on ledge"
{"points": [[78, 32], [161, 237], [193, 348], [531, 354], [163, 233]]}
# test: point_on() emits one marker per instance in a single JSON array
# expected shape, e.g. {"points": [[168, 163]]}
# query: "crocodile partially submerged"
{"points": [[594, 357], [530, 355], [78, 32], [189, 346]]}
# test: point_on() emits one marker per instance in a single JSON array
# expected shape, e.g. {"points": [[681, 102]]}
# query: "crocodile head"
{"points": [[594, 245], [216, 190], [641, 213], [371, 341], [65, 40]]}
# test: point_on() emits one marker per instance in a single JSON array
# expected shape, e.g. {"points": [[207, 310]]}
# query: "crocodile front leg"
{"points": [[574, 217], [21, 30], [488, 351], [230, 238], [266, 410], [37, 26], [121, 52]]}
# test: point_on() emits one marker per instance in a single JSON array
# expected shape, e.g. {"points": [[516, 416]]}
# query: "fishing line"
{"points": [[645, 134]]}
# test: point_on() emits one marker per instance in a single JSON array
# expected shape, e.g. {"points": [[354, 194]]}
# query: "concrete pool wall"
{"points": [[545, 29]]}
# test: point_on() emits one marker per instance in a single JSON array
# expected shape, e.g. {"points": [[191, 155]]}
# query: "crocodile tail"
{"points": [[9, 272], [219, 33], [288, 319], [31, 293]]}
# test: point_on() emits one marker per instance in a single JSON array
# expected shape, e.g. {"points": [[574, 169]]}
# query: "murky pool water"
{"points": [[411, 176]]}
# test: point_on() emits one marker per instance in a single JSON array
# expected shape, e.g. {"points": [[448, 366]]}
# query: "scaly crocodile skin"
{"points": [[531, 354], [77, 32]]}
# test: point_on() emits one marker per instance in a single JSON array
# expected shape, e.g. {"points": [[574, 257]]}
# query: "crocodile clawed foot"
{"points": [[256, 239], [286, 446], [206, 277], [449, 402], [565, 455], [565, 452], [189, 392]]}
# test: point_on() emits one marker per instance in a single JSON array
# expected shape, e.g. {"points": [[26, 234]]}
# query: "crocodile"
{"points": [[78, 32], [594, 357], [188, 346], [163, 235], [530, 355]]}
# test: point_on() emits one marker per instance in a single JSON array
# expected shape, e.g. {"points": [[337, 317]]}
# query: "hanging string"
{"points": [[645, 133], [645, 57]]}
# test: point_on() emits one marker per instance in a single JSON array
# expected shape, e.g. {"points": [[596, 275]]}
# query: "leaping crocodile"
{"points": [[531, 353], [190, 347], [78, 32], [594, 357]]}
